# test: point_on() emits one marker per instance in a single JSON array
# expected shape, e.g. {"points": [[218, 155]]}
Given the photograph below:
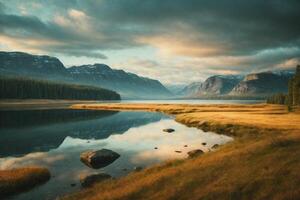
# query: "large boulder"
{"points": [[98, 159], [88, 181], [195, 153]]}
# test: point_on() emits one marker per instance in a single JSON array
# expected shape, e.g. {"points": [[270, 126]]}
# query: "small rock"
{"points": [[88, 181], [203, 143], [168, 130], [137, 169], [195, 153], [178, 151], [155, 148], [98, 159], [215, 146], [185, 145]]}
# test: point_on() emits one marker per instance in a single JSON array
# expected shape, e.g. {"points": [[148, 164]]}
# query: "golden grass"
{"points": [[21, 179], [262, 162]]}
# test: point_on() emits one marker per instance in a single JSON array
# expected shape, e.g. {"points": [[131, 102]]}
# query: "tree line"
{"points": [[293, 96], [23, 88]]}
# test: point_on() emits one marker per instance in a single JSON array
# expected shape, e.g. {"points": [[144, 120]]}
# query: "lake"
{"points": [[195, 101], [55, 138]]}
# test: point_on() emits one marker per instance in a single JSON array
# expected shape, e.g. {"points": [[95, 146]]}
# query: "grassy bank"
{"points": [[18, 180], [262, 162]]}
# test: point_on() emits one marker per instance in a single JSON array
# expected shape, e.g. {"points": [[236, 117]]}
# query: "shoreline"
{"points": [[32, 104], [261, 132]]}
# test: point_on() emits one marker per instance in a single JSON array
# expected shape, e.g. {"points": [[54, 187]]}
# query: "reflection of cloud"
{"points": [[163, 153], [151, 135], [71, 143], [136, 147], [30, 159]]}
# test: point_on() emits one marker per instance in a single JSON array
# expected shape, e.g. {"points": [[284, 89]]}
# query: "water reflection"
{"points": [[131, 134], [32, 133]]}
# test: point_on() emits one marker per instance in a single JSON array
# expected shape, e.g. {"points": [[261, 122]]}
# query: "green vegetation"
{"points": [[18, 180], [293, 96], [22, 88]]}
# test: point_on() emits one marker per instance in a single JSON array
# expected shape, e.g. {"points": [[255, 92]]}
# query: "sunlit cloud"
{"points": [[194, 39]]}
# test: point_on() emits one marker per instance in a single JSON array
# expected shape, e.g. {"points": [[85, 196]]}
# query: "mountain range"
{"points": [[127, 84], [130, 85], [252, 85]]}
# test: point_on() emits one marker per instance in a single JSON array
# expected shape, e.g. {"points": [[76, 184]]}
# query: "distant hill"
{"points": [[175, 89], [129, 85], [191, 89]]}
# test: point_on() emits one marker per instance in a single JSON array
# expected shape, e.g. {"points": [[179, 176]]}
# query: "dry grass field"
{"points": [[18, 180], [262, 162]]}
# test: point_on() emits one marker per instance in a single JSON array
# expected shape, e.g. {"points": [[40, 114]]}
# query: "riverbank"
{"points": [[261, 163]]}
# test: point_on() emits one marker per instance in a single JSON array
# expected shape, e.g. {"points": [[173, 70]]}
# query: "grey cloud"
{"points": [[243, 26], [253, 31]]}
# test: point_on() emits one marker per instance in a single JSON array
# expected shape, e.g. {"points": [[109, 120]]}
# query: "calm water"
{"points": [[55, 139], [195, 101]]}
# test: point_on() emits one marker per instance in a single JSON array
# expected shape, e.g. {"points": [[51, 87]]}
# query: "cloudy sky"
{"points": [[174, 41]]}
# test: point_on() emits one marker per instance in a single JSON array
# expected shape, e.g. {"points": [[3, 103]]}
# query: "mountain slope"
{"points": [[262, 84], [212, 86], [34, 66], [175, 89], [191, 89], [129, 85], [252, 85]]}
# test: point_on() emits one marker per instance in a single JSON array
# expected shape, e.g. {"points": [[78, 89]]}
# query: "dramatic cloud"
{"points": [[186, 36]]}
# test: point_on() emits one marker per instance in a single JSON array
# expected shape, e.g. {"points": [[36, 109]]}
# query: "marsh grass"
{"points": [[18, 180]]}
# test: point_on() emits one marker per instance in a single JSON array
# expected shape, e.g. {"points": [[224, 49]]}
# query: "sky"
{"points": [[174, 41]]}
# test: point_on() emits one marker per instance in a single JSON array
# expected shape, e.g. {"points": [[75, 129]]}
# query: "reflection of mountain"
{"points": [[20, 118], [49, 136]]}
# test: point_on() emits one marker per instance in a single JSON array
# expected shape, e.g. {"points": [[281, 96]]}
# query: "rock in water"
{"points": [[98, 159], [168, 130], [195, 153], [88, 181], [137, 169]]}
